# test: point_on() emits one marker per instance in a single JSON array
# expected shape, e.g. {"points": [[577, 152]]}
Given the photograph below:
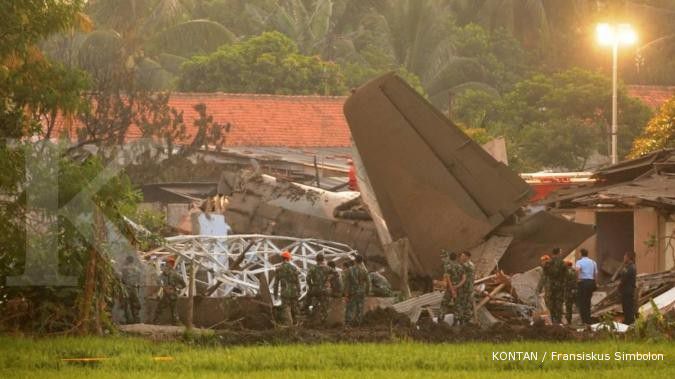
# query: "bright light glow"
{"points": [[605, 34], [627, 35], [622, 34]]}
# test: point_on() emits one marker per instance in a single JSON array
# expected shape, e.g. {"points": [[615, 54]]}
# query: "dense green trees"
{"points": [[554, 121], [38, 181], [269, 63]]}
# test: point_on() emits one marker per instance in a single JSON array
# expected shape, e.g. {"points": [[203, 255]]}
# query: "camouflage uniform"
{"points": [[288, 279], [131, 280], [335, 282], [464, 303], [357, 286], [171, 283], [554, 283], [454, 272], [380, 285], [317, 290], [570, 292]]}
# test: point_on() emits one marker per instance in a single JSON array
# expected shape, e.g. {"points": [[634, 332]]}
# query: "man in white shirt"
{"points": [[587, 275]]}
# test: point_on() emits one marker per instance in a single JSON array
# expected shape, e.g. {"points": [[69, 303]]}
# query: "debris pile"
{"points": [[659, 287], [499, 298]]}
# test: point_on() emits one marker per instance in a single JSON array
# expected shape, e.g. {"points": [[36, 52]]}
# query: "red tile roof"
{"points": [[268, 120], [653, 96]]}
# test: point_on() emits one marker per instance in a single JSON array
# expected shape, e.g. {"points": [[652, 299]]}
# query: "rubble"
{"points": [[525, 285], [664, 303], [659, 287]]}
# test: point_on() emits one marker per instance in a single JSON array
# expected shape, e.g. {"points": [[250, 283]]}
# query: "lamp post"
{"points": [[615, 35]]}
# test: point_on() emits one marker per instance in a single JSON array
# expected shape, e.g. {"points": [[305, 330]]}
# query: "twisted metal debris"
{"points": [[234, 265]]}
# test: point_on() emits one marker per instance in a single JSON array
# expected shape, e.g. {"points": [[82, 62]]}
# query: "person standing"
{"points": [[454, 279], [131, 281], [171, 283], [465, 290], [287, 279], [570, 290], [627, 287], [317, 288], [357, 286], [334, 280], [353, 183], [587, 275], [554, 271]]}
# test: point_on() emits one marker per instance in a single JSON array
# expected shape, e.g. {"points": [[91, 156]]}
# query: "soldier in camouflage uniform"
{"points": [[554, 284], [131, 280], [171, 283], [288, 279], [334, 280], [380, 286], [357, 286], [464, 304], [318, 287], [454, 278], [570, 290]]}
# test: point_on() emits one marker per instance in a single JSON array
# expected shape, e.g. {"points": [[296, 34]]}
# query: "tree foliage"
{"points": [[659, 133], [555, 121], [269, 63]]}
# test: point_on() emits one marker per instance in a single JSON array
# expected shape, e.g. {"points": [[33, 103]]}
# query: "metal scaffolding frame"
{"points": [[233, 265]]}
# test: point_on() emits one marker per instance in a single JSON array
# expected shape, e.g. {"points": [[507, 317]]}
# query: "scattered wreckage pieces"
{"points": [[663, 303], [413, 306], [234, 265], [487, 254], [525, 285], [494, 303], [539, 233], [650, 287], [263, 204], [434, 184]]}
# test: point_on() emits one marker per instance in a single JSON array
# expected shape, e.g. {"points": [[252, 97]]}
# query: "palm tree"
{"points": [[151, 37], [525, 19], [419, 37], [322, 27]]}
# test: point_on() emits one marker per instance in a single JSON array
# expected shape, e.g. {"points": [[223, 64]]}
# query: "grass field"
{"points": [[133, 358]]}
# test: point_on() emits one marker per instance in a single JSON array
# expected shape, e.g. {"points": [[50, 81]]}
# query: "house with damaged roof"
{"points": [[632, 205]]}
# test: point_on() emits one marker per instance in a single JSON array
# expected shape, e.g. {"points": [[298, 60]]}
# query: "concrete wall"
{"points": [[668, 243], [646, 233], [587, 216], [649, 242]]}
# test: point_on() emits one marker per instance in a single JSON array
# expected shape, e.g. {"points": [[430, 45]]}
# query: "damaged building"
{"points": [[632, 205]]}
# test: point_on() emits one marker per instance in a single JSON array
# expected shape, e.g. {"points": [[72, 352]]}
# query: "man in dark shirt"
{"points": [[627, 288]]}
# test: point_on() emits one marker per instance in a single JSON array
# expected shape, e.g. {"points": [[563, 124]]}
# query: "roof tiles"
{"points": [[268, 120]]}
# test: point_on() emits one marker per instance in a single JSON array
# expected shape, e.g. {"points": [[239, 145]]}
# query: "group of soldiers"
{"points": [[324, 282], [325, 286], [459, 280], [559, 282], [566, 284], [170, 285]]}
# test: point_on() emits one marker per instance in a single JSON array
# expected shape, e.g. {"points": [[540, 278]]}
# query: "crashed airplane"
{"points": [[434, 188]]}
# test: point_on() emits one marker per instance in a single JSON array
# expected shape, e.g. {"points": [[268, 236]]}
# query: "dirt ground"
{"points": [[379, 326]]}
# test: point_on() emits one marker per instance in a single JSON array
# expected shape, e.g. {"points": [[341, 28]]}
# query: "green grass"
{"points": [[132, 358]]}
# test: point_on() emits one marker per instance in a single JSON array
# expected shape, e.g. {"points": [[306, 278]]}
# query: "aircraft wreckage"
{"points": [[432, 187], [426, 186]]}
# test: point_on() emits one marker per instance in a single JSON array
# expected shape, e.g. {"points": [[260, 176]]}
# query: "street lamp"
{"points": [[615, 35]]}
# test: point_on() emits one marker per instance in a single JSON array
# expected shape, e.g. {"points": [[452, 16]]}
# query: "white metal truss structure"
{"points": [[231, 265]]}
